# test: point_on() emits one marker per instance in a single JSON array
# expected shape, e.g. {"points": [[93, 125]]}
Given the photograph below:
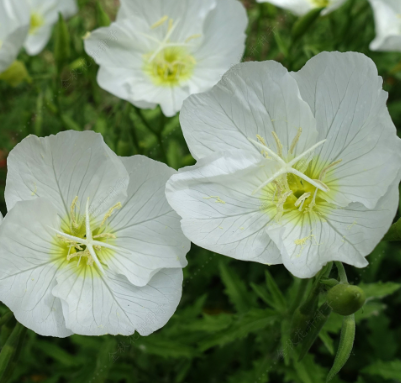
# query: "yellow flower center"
{"points": [[170, 67], [320, 3], [171, 63], [78, 239], [297, 185], [36, 22]]}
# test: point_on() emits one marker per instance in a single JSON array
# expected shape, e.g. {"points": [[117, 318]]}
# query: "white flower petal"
{"points": [[109, 304], [146, 227], [252, 98], [36, 42], [388, 25], [298, 7], [29, 264], [346, 97], [14, 25], [219, 212], [215, 56], [64, 166], [345, 234], [189, 15]]}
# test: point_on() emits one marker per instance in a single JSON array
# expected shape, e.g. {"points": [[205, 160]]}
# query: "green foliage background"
{"points": [[231, 322]]}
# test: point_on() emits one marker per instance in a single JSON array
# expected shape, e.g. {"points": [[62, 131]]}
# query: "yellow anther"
{"points": [[193, 37], [295, 140], [72, 213], [218, 199], [105, 235], [279, 145], [324, 171], [160, 22], [280, 205], [110, 212]]}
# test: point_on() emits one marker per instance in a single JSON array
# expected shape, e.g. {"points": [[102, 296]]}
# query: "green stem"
{"points": [[144, 121], [341, 272], [9, 350]]}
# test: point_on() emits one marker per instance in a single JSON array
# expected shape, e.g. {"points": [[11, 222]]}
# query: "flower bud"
{"points": [[345, 299]]}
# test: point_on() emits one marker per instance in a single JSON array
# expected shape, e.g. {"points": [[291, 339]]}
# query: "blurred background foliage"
{"points": [[229, 324]]}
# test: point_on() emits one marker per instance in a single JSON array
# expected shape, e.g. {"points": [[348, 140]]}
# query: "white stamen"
{"points": [[296, 159], [267, 149]]}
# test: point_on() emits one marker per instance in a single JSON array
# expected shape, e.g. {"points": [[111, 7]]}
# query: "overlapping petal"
{"points": [[147, 229], [345, 94], [252, 99], [219, 212]]}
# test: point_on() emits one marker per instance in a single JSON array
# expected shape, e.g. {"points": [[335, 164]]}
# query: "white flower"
{"points": [[387, 14], [301, 7], [44, 14], [14, 25], [90, 245], [294, 168], [161, 51]]}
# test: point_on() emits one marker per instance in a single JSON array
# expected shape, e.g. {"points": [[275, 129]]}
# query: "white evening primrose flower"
{"points": [[161, 51], [89, 245], [294, 168], [387, 15], [301, 7], [43, 16], [14, 25]]}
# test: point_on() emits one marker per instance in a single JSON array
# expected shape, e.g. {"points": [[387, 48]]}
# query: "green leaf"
{"points": [[62, 49], [254, 320], [379, 289], [327, 341], [235, 289], [55, 352], [394, 233], [259, 373], [308, 371], [166, 348], [386, 370], [279, 302]]}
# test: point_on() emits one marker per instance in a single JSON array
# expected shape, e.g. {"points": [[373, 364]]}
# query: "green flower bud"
{"points": [[345, 299]]}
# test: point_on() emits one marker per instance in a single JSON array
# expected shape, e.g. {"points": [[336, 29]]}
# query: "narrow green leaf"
{"points": [[345, 347], [55, 352], [235, 289], [304, 23], [276, 294], [62, 48], [327, 341], [103, 19]]}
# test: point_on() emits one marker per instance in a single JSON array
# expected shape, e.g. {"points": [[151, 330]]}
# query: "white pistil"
{"points": [[288, 167], [89, 239]]}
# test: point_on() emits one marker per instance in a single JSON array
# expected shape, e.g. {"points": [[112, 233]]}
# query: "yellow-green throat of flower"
{"points": [[79, 238], [36, 22], [295, 186], [171, 63]]}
